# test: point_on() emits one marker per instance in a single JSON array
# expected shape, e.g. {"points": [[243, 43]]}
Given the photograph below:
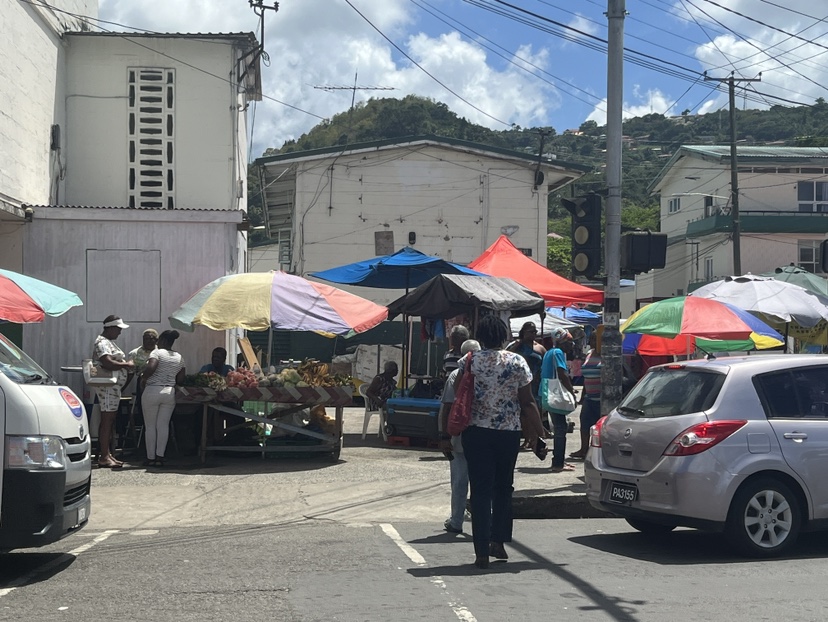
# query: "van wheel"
{"points": [[764, 518], [648, 527]]}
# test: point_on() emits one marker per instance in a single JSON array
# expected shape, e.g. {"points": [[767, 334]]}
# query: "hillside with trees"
{"points": [[649, 142]]}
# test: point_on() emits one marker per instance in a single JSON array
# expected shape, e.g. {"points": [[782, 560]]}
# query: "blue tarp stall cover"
{"points": [[578, 316], [404, 269]]}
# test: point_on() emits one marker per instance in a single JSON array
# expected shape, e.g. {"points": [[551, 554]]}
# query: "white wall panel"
{"points": [[205, 119], [191, 256]]}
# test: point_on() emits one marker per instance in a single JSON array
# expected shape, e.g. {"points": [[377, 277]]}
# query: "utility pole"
{"points": [[538, 175], [734, 170], [612, 370]]}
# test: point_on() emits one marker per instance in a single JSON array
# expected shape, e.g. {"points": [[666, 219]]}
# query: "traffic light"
{"points": [[642, 251], [586, 234]]}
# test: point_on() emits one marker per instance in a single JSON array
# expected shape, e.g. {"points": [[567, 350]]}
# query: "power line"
{"points": [[421, 68]]}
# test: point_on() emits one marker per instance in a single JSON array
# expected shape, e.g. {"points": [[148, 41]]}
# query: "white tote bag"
{"points": [[98, 376], [555, 397]]}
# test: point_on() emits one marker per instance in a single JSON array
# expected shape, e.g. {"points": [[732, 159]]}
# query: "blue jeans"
{"points": [[491, 456], [559, 427], [459, 489]]}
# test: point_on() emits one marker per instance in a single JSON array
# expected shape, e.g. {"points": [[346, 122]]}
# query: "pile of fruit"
{"points": [[242, 378], [309, 373]]}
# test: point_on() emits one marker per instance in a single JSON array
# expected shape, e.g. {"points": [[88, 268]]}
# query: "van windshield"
{"points": [[669, 391], [18, 367]]}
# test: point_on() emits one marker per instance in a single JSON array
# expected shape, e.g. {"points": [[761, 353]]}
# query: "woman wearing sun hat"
{"points": [[107, 355]]}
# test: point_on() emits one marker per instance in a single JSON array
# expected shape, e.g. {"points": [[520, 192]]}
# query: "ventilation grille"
{"points": [[151, 138]]}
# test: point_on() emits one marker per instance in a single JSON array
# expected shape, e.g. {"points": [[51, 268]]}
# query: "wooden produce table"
{"points": [[298, 398]]}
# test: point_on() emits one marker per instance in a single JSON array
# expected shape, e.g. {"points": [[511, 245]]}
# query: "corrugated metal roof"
{"points": [[124, 207], [169, 35], [746, 152], [425, 139]]}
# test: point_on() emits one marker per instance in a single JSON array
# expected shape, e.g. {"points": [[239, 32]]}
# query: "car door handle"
{"points": [[795, 436]]}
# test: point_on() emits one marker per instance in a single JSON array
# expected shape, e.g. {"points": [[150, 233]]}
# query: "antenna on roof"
{"points": [[354, 88]]}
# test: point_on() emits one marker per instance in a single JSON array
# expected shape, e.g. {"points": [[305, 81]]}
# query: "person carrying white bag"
{"points": [[554, 367]]}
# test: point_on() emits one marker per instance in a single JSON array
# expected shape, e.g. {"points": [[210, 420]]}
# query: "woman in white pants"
{"points": [[165, 369]]}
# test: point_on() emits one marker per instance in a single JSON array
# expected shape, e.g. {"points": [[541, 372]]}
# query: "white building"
{"points": [[442, 196], [136, 181], [783, 207], [32, 98]]}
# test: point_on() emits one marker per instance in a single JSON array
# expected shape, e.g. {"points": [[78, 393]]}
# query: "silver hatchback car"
{"points": [[736, 444]]}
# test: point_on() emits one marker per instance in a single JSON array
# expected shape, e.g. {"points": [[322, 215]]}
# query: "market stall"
{"points": [[292, 398], [281, 301], [449, 297]]}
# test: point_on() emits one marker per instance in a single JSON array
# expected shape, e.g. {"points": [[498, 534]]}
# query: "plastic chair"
{"points": [[368, 412]]}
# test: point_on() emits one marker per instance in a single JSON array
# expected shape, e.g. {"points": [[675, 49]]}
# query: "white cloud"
{"points": [[646, 102]]}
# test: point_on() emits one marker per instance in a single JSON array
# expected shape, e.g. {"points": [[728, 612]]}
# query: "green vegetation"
{"points": [[649, 142]]}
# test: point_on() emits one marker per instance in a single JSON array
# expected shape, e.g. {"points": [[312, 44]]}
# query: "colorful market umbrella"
{"points": [[650, 345], [700, 317], [24, 299], [261, 300]]}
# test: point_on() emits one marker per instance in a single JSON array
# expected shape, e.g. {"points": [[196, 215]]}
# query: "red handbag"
{"points": [[461, 409]]}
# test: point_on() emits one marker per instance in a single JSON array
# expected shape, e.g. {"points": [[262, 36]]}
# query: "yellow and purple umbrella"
{"points": [[24, 299], [262, 300]]}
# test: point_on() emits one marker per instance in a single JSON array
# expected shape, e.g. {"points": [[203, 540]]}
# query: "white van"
{"points": [[47, 466]]}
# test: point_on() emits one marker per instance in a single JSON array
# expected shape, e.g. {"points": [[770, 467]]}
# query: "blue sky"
{"points": [[526, 62]]}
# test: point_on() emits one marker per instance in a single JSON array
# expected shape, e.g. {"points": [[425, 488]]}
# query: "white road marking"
{"points": [[459, 609], [55, 562]]}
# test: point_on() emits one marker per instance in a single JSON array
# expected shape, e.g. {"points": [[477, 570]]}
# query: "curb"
{"points": [[556, 506]]}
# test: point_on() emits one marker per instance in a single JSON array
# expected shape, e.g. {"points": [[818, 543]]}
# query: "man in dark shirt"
{"points": [[217, 363]]}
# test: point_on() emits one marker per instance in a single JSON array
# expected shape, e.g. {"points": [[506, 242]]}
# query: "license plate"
{"points": [[83, 514], [623, 494]]}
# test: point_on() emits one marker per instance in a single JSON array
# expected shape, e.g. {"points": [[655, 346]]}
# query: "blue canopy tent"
{"points": [[579, 316], [404, 269]]}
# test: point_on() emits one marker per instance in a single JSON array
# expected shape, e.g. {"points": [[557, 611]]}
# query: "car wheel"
{"points": [[764, 518], [645, 526]]}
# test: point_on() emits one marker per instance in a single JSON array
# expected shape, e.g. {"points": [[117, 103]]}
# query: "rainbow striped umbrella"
{"points": [[24, 299], [700, 317], [261, 300]]}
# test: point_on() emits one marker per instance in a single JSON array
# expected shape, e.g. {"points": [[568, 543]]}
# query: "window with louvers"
{"points": [[151, 139]]}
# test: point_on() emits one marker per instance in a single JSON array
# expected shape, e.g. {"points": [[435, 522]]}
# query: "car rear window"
{"points": [[671, 391], [801, 393]]}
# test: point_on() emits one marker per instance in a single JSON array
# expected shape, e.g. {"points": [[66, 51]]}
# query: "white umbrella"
{"points": [[550, 321], [778, 300]]}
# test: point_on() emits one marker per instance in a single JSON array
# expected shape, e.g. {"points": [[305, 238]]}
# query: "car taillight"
{"points": [[702, 436], [595, 432]]}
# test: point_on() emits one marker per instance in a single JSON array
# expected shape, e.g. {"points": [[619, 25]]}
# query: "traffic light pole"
{"points": [[612, 371]]}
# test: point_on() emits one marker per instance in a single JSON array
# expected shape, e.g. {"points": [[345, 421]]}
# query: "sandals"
{"points": [[110, 465], [577, 456], [561, 469]]}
